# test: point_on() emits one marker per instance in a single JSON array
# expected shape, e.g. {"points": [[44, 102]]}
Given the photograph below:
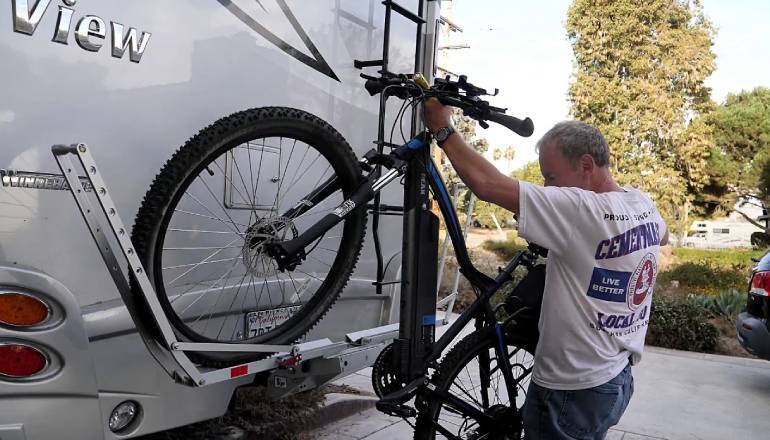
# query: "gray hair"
{"points": [[574, 139]]}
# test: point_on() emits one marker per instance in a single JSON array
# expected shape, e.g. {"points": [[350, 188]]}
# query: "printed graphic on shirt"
{"points": [[620, 321], [622, 217], [634, 239], [632, 288], [623, 324], [642, 281], [609, 285]]}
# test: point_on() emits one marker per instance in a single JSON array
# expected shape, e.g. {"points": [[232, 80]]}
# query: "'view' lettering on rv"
{"points": [[89, 31]]}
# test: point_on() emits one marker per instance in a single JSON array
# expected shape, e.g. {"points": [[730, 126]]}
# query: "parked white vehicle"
{"points": [[135, 80], [720, 234]]}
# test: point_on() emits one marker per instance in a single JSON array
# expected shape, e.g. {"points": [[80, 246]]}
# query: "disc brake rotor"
{"points": [[266, 230]]}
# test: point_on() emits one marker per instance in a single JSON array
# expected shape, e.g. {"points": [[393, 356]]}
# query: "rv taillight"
{"points": [[760, 283], [22, 310], [19, 361]]}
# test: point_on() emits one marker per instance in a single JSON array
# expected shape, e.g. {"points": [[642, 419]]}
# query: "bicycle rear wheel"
{"points": [[203, 225], [471, 372]]}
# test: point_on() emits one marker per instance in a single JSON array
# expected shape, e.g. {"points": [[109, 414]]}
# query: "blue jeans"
{"points": [[578, 414]]}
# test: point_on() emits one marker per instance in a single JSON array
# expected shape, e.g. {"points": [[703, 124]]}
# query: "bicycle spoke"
{"points": [[199, 264], [295, 217], [245, 199], [199, 248], [322, 262], [224, 321], [202, 262], [253, 216], [245, 188], [243, 306], [311, 276], [222, 278], [236, 230], [217, 200], [281, 178], [205, 216], [202, 231], [196, 284]]}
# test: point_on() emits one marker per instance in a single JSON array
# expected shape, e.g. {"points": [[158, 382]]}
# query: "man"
{"points": [[603, 243]]}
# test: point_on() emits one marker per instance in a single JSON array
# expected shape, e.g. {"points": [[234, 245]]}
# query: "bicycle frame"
{"points": [[416, 348]]}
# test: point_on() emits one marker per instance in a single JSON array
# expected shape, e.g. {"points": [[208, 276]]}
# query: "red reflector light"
{"points": [[239, 371], [760, 283], [20, 361], [22, 310]]}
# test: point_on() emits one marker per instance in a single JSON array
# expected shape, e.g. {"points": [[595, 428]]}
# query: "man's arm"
{"points": [[483, 178]]}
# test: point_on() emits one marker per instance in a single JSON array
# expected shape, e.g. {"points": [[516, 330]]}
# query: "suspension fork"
{"points": [[289, 254]]}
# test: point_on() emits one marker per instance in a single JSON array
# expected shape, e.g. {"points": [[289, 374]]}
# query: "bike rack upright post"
{"points": [[377, 208]]}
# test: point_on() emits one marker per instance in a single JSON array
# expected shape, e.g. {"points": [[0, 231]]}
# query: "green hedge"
{"points": [[705, 277], [681, 324], [738, 259]]}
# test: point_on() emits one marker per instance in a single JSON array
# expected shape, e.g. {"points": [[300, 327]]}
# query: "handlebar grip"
{"points": [[523, 128]]}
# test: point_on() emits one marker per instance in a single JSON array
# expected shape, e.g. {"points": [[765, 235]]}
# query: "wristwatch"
{"points": [[442, 134]]}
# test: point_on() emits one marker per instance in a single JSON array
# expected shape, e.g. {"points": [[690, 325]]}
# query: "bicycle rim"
{"points": [[460, 374]]}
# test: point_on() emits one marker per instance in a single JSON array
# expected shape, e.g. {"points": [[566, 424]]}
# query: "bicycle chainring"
{"points": [[385, 380]]}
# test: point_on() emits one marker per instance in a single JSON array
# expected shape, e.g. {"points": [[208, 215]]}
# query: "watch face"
{"points": [[442, 134]]}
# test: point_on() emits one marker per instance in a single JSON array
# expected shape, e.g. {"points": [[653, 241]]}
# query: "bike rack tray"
{"points": [[291, 368]]}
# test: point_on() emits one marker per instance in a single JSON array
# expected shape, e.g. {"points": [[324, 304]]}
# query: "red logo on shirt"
{"points": [[641, 282]]}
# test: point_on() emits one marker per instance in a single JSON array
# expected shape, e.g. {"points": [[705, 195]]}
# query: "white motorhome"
{"points": [[726, 233], [135, 80]]}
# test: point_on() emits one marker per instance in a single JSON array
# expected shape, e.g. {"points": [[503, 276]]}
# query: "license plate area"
{"points": [[260, 322]]}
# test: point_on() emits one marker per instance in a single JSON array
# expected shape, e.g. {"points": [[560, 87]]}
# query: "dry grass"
{"points": [[252, 416]]}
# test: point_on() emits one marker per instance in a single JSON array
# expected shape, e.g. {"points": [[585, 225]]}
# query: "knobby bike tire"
{"points": [[197, 156], [455, 364]]}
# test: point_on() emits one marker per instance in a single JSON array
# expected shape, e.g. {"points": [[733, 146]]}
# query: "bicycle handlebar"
{"points": [[523, 128], [448, 92]]}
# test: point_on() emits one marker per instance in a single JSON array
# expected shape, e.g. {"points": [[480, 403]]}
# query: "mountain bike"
{"points": [[239, 252]]}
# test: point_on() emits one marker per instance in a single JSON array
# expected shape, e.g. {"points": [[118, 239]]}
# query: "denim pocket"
{"points": [[588, 412]]}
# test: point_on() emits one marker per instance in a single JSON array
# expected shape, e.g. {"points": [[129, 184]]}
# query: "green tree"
{"points": [[529, 173], [639, 76], [739, 162]]}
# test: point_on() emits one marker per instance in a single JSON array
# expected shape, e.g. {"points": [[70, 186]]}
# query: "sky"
{"points": [[521, 48]]}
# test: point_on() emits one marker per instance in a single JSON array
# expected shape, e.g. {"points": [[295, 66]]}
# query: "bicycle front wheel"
{"points": [[471, 372], [203, 227]]}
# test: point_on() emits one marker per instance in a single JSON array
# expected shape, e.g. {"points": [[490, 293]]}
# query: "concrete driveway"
{"points": [[678, 396]]}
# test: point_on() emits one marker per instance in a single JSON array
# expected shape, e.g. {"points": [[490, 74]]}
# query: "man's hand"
{"points": [[482, 177], [437, 115]]}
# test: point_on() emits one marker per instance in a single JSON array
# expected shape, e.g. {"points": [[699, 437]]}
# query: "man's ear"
{"points": [[586, 164]]}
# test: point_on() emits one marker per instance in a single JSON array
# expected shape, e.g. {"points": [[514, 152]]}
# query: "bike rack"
{"points": [[321, 360]]}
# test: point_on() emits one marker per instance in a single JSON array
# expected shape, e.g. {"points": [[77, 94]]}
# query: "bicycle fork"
{"points": [[289, 254]]}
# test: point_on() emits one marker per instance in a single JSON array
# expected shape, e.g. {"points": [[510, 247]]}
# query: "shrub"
{"points": [[727, 304], [505, 249], [738, 259], [681, 324], [705, 277]]}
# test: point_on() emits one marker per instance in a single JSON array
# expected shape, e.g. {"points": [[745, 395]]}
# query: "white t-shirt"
{"points": [[602, 264]]}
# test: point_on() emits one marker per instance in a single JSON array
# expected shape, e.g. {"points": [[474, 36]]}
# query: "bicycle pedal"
{"points": [[396, 410]]}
